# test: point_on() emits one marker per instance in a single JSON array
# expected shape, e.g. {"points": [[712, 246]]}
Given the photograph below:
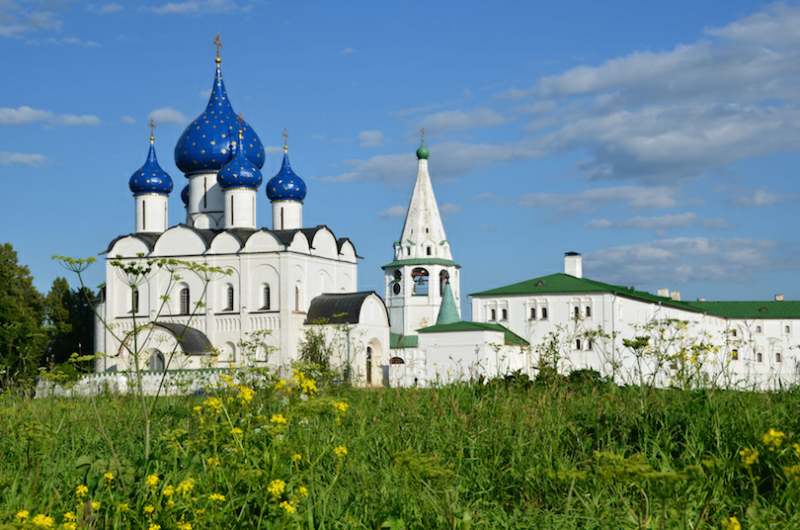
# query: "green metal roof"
{"points": [[751, 310], [448, 312], [397, 341], [561, 283], [510, 338], [421, 261]]}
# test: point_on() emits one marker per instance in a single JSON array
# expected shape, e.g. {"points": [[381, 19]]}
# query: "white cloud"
{"points": [[449, 208], [25, 115], [659, 223], [17, 19], [76, 41], [588, 199], [462, 119], [128, 120], [681, 259], [370, 138], [197, 7], [348, 51], [760, 198], [8, 158], [167, 115], [105, 9], [393, 211]]}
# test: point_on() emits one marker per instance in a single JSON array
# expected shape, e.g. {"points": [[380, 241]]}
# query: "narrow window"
{"points": [[185, 301], [760, 357], [578, 344], [144, 214], [758, 329], [297, 298], [494, 314], [734, 355], [533, 313], [205, 192], [231, 209], [135, 301], [778, 357], [577, 312], [505, 314], [444, 279], [428, 250], [787, 329], [733, 332], [408, 251], [230, 293], [544, 313], [266, 298], [588, 311], [281, 218], [589, 344], [369, 365]]}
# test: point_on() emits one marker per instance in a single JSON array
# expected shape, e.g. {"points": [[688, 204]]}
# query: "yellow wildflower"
{"points": [[122, 507], [792, 472], [246, 394], [170, 504], [236, 431], [731, 523], [168, 491], [154, 526], [108, 476], [197, 409], [214, 403], [749, 456], [228, 380], [184, 525], [278, 419], [185, 486], [773, 438], [276, 487], [148, 509], [69, 525], [796, 449], [81, 490], [22, 515], [218, 497], [303, 491], [95, 505], [212, 461], [341, 406], [151, 480], [70, 516], [297, 457], [340, 451], [287, 507], [41, 520], [281, 384]]}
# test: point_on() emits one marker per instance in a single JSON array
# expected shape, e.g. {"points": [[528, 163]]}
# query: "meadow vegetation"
{"points": [[261, 452]]}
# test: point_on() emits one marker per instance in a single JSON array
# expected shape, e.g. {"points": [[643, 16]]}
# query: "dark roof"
{"points": [[509, 337], [192, 340], [285, 237], [337, 308]]}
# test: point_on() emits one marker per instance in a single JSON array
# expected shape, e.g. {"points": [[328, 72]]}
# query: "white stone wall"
{"points": [[151, 212], [287, 215], [240, 208]]}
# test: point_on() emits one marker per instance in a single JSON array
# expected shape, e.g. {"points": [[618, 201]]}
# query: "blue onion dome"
{"points": [[204, 145], [286, 185], [239, 172], [150, 178], [185, 195]]}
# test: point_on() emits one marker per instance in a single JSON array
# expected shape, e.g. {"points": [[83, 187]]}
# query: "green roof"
{"points": [[510, 338], [397, 341], [751, 310], [560, 283], [448, 312], [420, 261]]}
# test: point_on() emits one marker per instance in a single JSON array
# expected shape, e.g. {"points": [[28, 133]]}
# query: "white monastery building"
{"points": [[288, 278]]}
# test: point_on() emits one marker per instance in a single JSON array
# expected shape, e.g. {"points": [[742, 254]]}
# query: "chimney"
{"points": [[779, 297], [675, 295], [663, 292], [573, 264]]}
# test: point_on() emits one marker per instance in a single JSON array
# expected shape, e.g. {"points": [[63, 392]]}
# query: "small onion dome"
{"points": [[150, 178], [286, 185], [204, 145], [240, 172], [185, 195], [422, 152]]}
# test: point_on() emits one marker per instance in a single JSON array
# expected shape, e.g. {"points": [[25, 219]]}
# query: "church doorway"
{"points": [[156, 363]]}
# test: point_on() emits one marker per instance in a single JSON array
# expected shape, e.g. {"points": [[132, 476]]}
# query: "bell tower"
{"points": [[416, 279]]}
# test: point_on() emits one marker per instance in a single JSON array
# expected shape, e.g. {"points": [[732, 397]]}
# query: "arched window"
{"points": [[185, 301], [135, 301], [578, 344], [533, 313], [504, 314], [428, 251], [493, 314], [544, 313], [778, 357], [734, 355], [297, 301], [156, 362], [229, 298], [266, 297], [420, 278], [760, 357], [444, 279], [577, 312], [588, 311]]}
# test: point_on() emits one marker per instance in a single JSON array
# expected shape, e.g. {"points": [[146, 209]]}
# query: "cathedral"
{"points": [[289, 278]]}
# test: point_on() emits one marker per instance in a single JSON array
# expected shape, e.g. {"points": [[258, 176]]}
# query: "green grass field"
{"points": [[470, 456]]}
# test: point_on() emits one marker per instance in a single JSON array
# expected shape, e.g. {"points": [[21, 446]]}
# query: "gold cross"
{"points": [[152, 124], [285, 141], [218, 44]]}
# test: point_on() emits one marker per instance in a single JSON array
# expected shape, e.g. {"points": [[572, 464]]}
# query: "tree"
{"points": [[22, 337], [69, 320]]}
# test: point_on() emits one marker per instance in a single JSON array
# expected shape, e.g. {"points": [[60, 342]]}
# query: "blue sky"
{"points": [[658, 139]]}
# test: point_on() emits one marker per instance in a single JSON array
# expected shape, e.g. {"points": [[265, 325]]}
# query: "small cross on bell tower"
{"points": [[218, 45]]}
